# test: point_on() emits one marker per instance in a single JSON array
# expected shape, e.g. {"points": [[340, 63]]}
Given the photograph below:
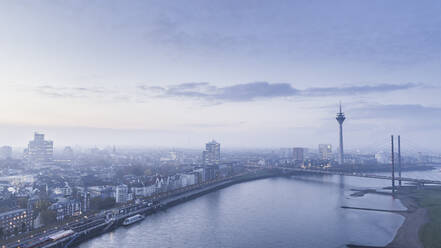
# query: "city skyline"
{"points": [[379, 146], [145, 73], [220, 123]]}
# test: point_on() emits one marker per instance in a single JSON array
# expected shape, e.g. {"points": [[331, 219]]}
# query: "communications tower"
{"points": [[340, 119]]}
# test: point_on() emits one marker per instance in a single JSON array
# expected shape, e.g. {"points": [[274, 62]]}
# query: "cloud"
{"points": [[215, 124], [412, 112], [362, 89], [234, 93], [406, 118], [96, 93], [212, 94], [69, 92], [262, 90]]}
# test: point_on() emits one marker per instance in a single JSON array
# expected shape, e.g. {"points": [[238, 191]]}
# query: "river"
{"points": [[297, 211]]}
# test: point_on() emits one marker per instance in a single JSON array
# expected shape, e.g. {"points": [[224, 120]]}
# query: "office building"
{"points": [[211, 155], [121, 193], [39, 152], [325, 151], [298, 154]]}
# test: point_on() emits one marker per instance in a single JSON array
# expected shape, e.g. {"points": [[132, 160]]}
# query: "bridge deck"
{"points": [[357, 174]]}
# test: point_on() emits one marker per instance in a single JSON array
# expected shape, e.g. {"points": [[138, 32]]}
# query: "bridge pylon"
{"points": [[393, 164]]}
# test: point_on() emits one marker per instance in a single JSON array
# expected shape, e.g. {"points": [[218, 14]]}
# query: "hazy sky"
{"points": [[246, 73]]}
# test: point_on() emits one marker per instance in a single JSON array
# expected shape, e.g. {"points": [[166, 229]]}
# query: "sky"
{"points": [[246, 73]]}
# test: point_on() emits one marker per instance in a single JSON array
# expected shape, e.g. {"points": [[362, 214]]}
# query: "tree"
{"points": [[22, 202], [48, 217], [98, 203], [148, 172]]}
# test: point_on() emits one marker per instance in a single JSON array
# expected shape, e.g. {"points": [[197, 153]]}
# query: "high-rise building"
{"points": [[85, 196], [325, 151], [121, 193], [40, 151], [211, 155], [340, 119], [298, 154], [5, 152]]}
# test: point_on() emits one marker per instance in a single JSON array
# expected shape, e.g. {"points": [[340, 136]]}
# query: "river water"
{"points": [[298, 211]]}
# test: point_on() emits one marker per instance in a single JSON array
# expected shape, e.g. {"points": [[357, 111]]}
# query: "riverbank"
{"points": [[416, 217], [422, 219], [376, 209], [174, 200], [252, 176], [430, 199]]}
